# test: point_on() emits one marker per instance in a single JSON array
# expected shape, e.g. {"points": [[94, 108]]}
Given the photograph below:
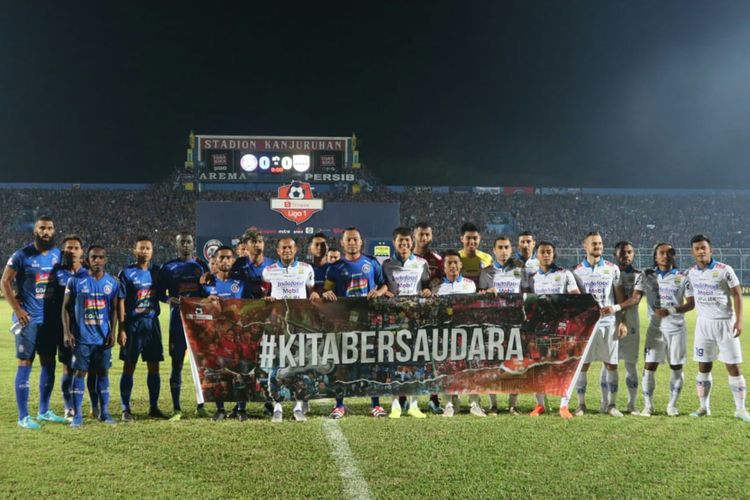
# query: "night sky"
{"points": [[564, 93]]}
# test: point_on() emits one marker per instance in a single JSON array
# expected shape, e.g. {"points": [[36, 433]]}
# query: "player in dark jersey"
{"points": [[422, 242], [139, 331], [90, 303], [333, 255], [70, 266], [30, 268], [317, 250], [250, 268], [355, 275], [223, 285], [179, 278]]}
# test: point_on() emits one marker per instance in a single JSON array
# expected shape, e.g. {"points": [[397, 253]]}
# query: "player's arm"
{"points": [[122, 336], [6, 283], [485, 283], [113, 310], [633, 301], [424, 281], [67, 314], [737, 299], [380, 286], [622, 329]]}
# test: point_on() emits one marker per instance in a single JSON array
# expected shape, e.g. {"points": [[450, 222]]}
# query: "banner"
{"points": [[249, 350]]}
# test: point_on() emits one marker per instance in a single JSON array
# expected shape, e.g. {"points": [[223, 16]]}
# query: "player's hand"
{"points": [[122, 338], [269, 298], [175, 301], [661, 312], [737, 328], [374, 294], [388, 294], [23, 316], [329, 296], [622, 331], [315, 297], [69, 340], [606, 311], [426, 292], [204, 279], [110, 342]]}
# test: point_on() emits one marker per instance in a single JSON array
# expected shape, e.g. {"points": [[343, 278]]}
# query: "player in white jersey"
{"points": [[666, 338], [718, 326], [454, 283], [601, 279], [627, 350], [289, 278], [406, 274], [550, 279], [504, 275], [526, 245]]}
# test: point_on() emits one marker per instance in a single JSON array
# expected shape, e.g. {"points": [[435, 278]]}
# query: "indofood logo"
{"points": [[295, 202]]}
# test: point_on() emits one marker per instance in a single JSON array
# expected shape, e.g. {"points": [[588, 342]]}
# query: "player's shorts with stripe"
{"points": [[604, 344], [26, 341], [629, 346], [94, 357], [714, 339], [144, 340], [665, 346]]}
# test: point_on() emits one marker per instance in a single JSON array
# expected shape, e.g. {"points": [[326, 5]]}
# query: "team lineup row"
{"points": [[79, 312]]}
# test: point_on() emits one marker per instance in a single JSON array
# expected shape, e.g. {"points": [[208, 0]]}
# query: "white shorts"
{"points": [[669, 346], [714, 339], [629, 345], [603, 344]]}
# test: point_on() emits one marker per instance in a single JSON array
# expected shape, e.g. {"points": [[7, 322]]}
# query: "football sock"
{"points": [[22, 390], [512, 400], [631, 381], [737, 385], [375, 401], [613, 379], [581, 388], [703, 387], [103, 387], [78, 387], [126, 387], [648, 384], [493, 400], [91, 387], [675, 386], [46, 384], [153, 382], [175, 384], [603, 384], [66, 384], [540, 398]]}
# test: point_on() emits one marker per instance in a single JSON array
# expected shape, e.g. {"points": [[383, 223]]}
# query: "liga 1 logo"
{"points": [[295, 202]]}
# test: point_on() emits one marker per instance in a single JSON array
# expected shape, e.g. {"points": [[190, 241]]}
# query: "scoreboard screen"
{"points": [[270, 159]]}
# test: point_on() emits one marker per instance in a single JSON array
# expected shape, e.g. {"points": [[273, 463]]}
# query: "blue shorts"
{"points": [[144, 339], [177, 342], [26, 341], [87, 357]]}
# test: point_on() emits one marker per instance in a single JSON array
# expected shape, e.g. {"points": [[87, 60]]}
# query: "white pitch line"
{"points": [[353, 482]]}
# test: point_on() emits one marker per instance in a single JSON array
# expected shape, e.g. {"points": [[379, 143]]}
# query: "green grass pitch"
{"points": [[591, 456]]}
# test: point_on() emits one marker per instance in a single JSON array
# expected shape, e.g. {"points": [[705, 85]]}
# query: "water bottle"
{"points": [[16, 328]]}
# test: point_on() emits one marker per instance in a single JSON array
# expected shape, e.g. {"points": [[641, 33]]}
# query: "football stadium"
{"points": [[240, 298]]}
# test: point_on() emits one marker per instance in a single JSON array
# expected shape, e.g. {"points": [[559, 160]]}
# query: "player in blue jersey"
{"points": [[90, 304], [139, 333], [71, 265], [179, 278], [318, 249], [250, 268], [224, 286], [30, 268], [355, 275]]}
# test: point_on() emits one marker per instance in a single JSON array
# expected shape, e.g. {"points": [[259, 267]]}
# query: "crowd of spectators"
{"points": [[114, 217]]}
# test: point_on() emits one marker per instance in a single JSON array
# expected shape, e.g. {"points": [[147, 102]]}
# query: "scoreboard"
{"points": [[268, 158]]}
